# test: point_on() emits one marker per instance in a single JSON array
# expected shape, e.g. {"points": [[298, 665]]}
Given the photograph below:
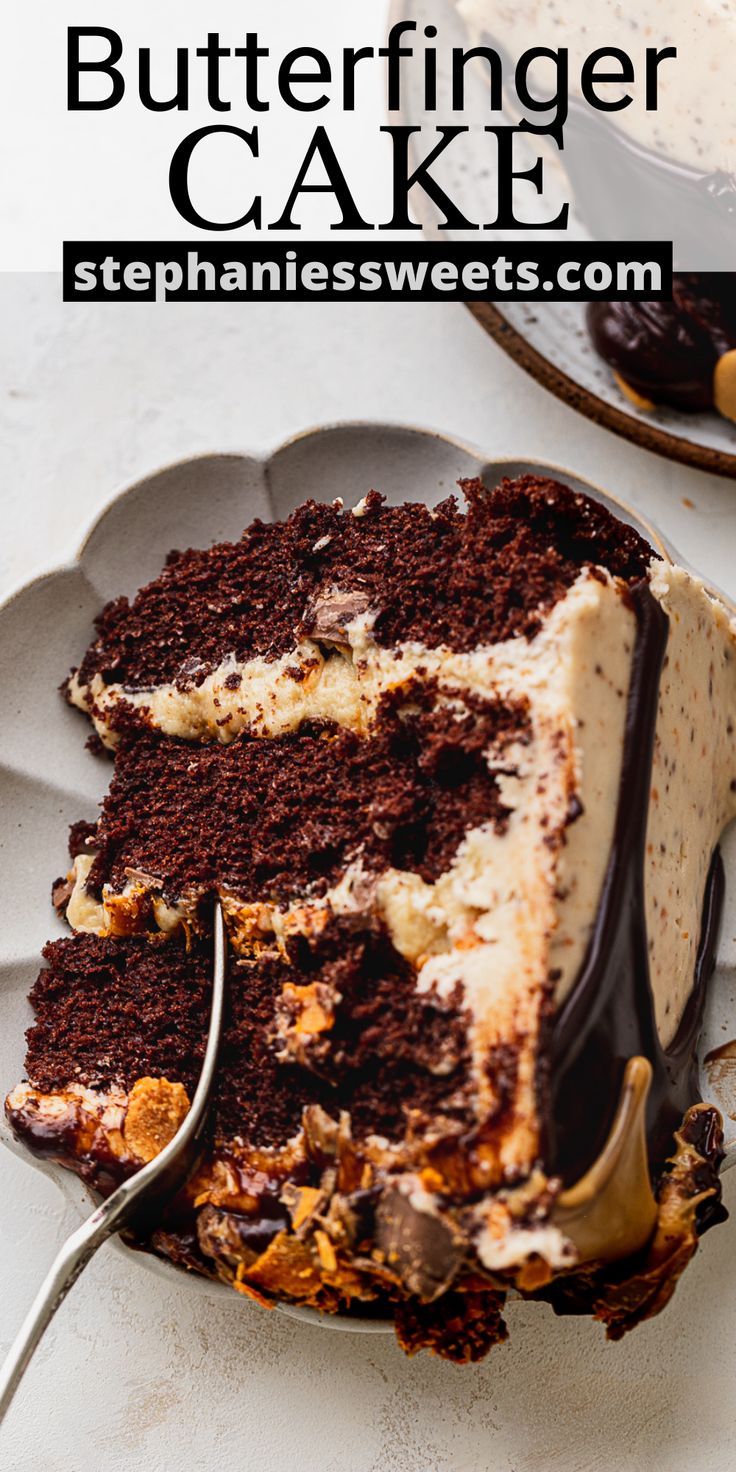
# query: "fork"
{"points": [[150, 1187]]}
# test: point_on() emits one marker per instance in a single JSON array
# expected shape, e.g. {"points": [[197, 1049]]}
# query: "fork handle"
{"points": [[63, 1273], [160, 1179]]}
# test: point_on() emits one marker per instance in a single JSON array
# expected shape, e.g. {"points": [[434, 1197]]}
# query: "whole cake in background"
{"points": [[458, 777]]}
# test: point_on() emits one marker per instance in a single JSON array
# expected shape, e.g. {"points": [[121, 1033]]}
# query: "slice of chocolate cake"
{"points": [[458, 778]]}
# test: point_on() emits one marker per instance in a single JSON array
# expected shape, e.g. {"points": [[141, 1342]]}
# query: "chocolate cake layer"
{"points": [[436, 576]]}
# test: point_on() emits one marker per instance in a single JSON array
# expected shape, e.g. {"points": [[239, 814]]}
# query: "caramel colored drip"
{"points": [[611, 1212]]}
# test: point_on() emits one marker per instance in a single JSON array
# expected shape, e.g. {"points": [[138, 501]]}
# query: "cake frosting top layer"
{"points": [[435, 767]]}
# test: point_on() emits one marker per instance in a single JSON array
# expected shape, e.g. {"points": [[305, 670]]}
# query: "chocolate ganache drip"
{"points": [[609, 1016]]}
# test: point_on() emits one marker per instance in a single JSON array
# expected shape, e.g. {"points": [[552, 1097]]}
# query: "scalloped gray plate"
{"points": [[48, 780]]}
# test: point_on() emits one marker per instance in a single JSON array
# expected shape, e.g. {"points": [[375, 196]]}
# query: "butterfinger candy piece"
{"points": [[156, 1109]]}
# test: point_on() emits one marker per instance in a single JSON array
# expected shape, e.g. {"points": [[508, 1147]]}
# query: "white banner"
{"points": [[168, 120]]}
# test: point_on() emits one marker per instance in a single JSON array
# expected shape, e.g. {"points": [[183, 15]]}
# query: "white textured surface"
{"points": [[132, 1373]]}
